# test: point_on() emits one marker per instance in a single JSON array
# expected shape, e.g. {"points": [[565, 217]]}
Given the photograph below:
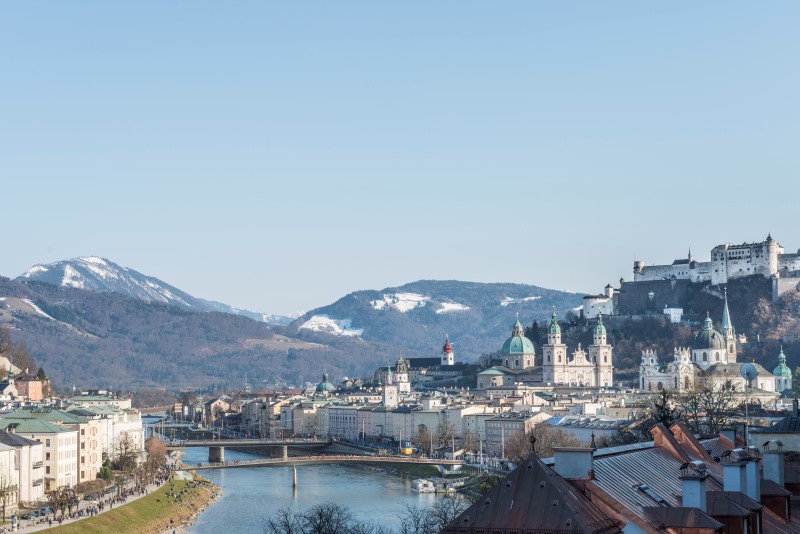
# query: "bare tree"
{"points": [[445, 433], [325, 518], [517, 446], [126, 453], [548, 437], [417, 520], [709, 406], [424, 439], [8, 493]]}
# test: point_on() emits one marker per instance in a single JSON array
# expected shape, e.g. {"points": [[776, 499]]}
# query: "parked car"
{"points": [[45, 510]]}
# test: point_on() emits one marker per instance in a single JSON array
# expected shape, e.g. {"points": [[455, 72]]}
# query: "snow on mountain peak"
{"points": [[402, 302]]}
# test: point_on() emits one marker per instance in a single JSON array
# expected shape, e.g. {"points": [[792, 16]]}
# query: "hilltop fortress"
{"points": [[766, 258], [666, 288]]}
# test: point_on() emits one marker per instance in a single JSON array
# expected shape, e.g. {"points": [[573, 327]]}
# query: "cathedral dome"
{"points": [[325, 386], [708, 338], [518, 343]]}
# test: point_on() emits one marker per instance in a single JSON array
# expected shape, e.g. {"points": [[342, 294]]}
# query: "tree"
{"points": [[57, 499], [417, 520], [796, 383], [664, 408], [424, 440], [518, 446], [41, 374], [126, 452], [548, 437], [709, 405], [8, 493], [445, 433], [325, 518]]}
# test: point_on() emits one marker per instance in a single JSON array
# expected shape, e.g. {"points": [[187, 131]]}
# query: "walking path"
{"points": [[95, 506]]}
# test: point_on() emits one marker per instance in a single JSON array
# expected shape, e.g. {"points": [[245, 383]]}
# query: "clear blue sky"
{"points": [[278, 155]]}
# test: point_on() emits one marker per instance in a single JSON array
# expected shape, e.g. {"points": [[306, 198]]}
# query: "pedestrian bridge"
{"points": [[318, 459], [216, 447]]}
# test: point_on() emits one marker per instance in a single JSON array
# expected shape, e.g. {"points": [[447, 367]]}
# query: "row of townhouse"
{"points": [[74, 439]]}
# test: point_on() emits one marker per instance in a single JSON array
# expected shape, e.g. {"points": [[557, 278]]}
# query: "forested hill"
{"points": [[415, 317], [93, 339]]}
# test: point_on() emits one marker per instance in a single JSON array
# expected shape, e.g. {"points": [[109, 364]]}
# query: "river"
{"points": [[250, 494]]}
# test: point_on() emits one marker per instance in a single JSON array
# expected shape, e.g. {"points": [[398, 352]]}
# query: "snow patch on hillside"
{"points": [[449, 307], [508, 300], [402, 302], [337, 327], [37, 309]]}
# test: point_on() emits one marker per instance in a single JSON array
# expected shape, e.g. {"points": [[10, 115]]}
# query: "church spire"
{"points": [[727, 326]]}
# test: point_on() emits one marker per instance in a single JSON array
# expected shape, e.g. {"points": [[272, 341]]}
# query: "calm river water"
{"points": [[250, 494]]}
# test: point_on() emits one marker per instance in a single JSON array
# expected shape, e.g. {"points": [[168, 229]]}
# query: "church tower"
{"points": [[448, 356], [600, 355], [554, 354], [728, 332]]}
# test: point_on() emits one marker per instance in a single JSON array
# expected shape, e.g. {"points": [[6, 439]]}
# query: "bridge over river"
{"points": [[216, 447], [320, 459]]}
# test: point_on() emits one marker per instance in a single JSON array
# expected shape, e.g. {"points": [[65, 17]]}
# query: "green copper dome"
{"points": [[782, 369], [708, 338], [325, 386], [554, 328], [599, 329], [518, 343]]}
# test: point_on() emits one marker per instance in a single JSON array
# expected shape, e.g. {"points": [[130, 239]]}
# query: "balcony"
{"points": [[38, 465], [38, 482]]}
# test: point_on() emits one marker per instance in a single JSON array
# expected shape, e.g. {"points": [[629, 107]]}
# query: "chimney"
{"points": [[693, 485], [729, 433], [733, 474], [753, 474], [773, 461], [574, 462]]}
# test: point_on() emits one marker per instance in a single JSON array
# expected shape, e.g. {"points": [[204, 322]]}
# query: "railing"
{"points": [[37, 465], [38, 482]]}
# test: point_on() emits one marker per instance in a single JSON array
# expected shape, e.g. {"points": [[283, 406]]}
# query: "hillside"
{"points": [[98, 339], [415, 317]]}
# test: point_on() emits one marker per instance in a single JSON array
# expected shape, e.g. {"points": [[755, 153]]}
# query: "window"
{"points": [[47, 443], [47, 470], [705, 356], [47, 456], [717, 355], [83, 431]]}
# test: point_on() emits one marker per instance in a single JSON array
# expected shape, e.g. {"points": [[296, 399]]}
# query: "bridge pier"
{"points": [[280, 451], [216, 454]]}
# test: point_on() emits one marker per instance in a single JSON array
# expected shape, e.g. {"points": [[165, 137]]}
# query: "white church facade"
{"points": [[713, 356]]}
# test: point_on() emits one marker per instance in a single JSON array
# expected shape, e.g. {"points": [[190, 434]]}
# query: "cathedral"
{"points": [[592, 369], [713, 356]]}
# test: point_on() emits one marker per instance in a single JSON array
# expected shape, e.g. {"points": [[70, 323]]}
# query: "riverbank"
{"points": [[175, 505]]}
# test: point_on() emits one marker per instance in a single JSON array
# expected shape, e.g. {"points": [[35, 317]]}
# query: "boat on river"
{"points": [[423, 485]]}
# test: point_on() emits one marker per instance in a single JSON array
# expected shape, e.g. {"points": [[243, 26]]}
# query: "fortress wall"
{"points": [[634, 297], [660, 272], [784, 285]]}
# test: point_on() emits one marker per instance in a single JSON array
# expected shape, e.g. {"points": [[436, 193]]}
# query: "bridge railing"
{"points": [[326, 457]]}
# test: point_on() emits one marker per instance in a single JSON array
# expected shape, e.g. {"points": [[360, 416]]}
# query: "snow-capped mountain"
{"points": [[415, 317], [99, 274]]}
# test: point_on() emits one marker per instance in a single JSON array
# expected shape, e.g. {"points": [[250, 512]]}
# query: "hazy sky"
{"points": [[278, 155]]}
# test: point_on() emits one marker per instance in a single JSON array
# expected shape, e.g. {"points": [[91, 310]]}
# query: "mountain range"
{"points": [[92, 322], [99, 274]]}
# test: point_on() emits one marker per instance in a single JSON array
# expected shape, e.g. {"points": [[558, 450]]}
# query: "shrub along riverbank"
{"points": [[151, 513]]}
